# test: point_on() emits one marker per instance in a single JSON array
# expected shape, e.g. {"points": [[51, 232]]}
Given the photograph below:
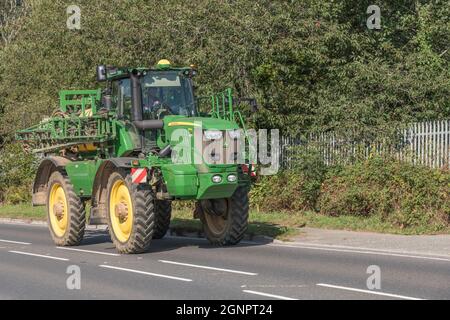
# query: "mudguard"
{"points": [[46, 168]]}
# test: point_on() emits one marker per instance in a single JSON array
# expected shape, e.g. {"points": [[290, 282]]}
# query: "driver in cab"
{"points": [[152, 100]]}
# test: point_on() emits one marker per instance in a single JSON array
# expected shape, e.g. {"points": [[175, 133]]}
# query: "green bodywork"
{"points": [[81, 174], [82, 122]]}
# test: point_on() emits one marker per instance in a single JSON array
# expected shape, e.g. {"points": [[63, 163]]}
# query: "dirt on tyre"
{"points": [[131, 215], [163, 213], [225, 221], [66, 213]]}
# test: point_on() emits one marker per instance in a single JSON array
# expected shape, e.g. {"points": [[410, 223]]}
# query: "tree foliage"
{"points": [[12, 13], [311, 64]]}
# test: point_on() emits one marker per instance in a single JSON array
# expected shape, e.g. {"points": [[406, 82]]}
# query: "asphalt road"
{"points": [[31, 267]]}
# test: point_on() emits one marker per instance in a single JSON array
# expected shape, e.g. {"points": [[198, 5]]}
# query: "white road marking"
{"points": [[90, 251], [15, 242], [268, 295], [145, 273], [39, 255], [209, 268], [274, 286], [368, 291], [396, 251], [379, 253]]}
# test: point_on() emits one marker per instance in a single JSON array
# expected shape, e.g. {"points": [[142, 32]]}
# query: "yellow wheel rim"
{"points": [[121, 211], [58, 210]]}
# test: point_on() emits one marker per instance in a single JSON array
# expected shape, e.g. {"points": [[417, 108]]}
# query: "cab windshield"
{"points": [[166, 93]]}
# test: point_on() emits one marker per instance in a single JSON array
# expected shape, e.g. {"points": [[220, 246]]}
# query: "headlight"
{"points": [[235, 134], [216, 179], [213, 134], [232, 178]]}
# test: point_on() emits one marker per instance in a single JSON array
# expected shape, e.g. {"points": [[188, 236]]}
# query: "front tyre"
{"points": [[130, 213], [66, 214], [163, 212], [225, 220]]}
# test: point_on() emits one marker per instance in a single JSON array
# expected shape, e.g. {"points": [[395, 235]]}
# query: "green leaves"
{"points": [[399, 193], [17, 170], [311, 65]]}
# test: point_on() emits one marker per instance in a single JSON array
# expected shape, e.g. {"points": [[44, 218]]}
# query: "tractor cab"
{"points": [[149, 94], [166, 93]]}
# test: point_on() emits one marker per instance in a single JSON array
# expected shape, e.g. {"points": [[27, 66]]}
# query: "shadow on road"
{"points": [[176, 238]]}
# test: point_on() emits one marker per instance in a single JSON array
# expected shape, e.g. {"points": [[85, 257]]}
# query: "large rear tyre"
{"points": [[130, 213], [66, 215], [163, 212], [225, 220]]}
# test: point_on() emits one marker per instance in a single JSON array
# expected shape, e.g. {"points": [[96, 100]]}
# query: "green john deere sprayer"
{"points": [[117, 148]]}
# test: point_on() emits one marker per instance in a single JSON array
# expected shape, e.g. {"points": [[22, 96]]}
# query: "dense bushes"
{"points": [[400, 194], [17, 170], [296, 189]]}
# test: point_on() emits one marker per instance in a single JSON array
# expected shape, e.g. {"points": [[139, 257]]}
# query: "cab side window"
{"points": [[114, 94], [121, 97]]}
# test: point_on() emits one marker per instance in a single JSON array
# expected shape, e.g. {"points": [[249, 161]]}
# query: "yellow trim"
{"points": [[164, 62], [58, 197], [87, 147], [120, 195], [192, 124]]}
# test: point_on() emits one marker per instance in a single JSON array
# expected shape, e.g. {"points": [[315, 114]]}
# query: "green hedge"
{"points": [[296, 189], [17, 171], [398, 193], [402, 194]]}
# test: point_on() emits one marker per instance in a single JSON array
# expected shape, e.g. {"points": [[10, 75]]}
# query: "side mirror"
{"points": [[101, 73]]}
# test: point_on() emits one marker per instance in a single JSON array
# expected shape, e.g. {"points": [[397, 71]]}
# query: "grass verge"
{"points": [[278, 225], [22, 211], [270, 225]]}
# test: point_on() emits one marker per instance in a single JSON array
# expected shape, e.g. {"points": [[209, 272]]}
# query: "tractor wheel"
{"points": [[130, 213], [163, 212], [225, 220], [66, 214]]}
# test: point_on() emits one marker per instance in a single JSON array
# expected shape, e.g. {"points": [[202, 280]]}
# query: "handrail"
{"points": [[87, 98]]}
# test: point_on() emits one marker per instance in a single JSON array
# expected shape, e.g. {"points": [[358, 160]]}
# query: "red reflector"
{"points": [[245, 170], [139, 175]]}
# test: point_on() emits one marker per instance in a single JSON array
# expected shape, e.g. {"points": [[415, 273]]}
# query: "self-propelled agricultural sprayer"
{"points": [[114, 148]]}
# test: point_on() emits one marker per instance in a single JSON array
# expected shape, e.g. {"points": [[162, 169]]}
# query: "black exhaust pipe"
{"points": [[136, 96], [149, 124]]}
